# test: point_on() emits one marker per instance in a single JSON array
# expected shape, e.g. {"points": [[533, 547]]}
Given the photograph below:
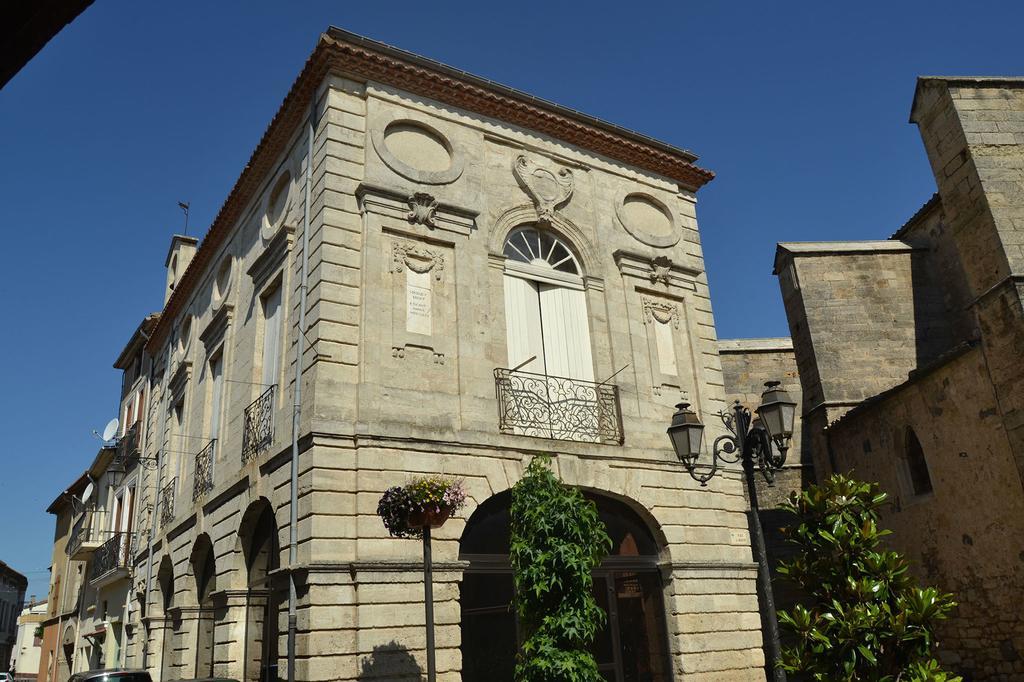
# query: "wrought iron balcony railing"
{"points": [[79, 540], [114, 553], [203, 482], [165, 503], [128, 445], [258, 431], [546, 406]]}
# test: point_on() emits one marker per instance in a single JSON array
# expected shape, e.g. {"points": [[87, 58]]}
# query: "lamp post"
{"points": [[749, 441]]}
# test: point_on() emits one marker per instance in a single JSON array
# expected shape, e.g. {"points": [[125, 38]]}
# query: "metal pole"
{"points": [[428, 589], [293, 510], [764, 577]]}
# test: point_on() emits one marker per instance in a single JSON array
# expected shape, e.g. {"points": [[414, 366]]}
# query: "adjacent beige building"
{"points": [[909, 352], [28, 644], [420, 271]]}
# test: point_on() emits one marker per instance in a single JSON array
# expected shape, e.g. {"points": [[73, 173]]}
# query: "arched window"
{"points": [[263, 605], [165, 580], [633, 645], [205, 571], [545, 306], [917, 467]]}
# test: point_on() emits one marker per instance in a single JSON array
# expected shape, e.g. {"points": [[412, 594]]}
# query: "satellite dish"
{"points": [[110, 430], [87, 493]]}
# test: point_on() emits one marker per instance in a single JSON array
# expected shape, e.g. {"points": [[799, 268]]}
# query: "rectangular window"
{"points": [[216, 391], [271, 336]]}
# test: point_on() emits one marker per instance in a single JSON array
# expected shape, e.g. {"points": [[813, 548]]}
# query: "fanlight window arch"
{"points": [[541, 249]]}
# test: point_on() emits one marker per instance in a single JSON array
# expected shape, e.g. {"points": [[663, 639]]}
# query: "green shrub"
{"points": [[866, 619], [557, 540]]}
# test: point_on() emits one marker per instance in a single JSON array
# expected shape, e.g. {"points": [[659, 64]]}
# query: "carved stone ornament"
{"points": [[660, 269], [548, 189], [424, 209], [417, 258], [661, 311]]}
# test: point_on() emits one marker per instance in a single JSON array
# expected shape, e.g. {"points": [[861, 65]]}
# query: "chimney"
{"points": [[178, 257]]}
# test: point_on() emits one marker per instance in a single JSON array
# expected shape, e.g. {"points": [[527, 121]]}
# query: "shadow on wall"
{"points": [[391, 662]]}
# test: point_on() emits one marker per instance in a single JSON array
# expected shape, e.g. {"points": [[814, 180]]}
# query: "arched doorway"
{"points": [[165, 580], [258, 535], [633, 645], [204, 571]]}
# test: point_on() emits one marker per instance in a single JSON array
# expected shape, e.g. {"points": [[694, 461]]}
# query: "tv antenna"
{"points": [[109, 431], [183, 205], [87, 493]]}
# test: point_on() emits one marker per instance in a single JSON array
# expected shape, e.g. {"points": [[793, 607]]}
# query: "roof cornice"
{"points": [[361, 58]]}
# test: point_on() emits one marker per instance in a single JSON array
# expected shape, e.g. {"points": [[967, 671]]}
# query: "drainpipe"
{"points": [[293, 513], [156, 508]]}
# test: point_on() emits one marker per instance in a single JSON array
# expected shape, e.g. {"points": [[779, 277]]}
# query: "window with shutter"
{"points": [[271, 336], [546, 307]]}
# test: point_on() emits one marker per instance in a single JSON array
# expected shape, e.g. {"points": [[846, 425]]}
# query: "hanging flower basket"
{"points": [[425, 502]]}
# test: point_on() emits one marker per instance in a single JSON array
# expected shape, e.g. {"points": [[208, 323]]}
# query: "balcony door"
{"points": [[545, 307]]}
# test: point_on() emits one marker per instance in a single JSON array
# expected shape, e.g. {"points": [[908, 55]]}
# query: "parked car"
{"points": [[111, 675]]}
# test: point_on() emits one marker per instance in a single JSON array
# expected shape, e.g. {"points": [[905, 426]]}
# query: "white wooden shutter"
{"points": [[271, 337], [563, 314], [216, 390], [522, 322]]}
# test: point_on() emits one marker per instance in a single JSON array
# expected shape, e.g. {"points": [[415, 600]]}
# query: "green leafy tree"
{"points": [[557, 540], [866, 620]]}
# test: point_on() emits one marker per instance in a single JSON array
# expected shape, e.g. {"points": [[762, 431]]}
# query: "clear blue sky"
{"points": [[799, 107]]}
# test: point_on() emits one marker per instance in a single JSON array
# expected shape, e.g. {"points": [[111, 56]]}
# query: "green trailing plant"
{"points": [[557, 539], [866, 620]]}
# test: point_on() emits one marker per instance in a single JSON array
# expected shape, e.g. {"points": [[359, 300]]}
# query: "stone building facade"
{"points": [[746, 365], [12, 599], [909, 355], [420, 271], [60, 624]]}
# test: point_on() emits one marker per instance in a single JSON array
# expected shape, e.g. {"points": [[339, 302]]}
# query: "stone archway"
{"points": [[203, 569], [259, 544], [628, 586], [162, 622]]}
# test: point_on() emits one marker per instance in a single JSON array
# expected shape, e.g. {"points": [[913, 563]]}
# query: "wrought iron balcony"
{"points": [[203, 482], [80, 541], [165, 503], [258, 431], [129, 444], [546, 406], [114, 554]]}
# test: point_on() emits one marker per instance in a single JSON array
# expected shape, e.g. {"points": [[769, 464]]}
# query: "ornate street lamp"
{"points": [[749, 441]]}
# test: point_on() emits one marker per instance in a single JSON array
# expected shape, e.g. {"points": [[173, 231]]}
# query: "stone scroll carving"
{"points": [[548, 189], [423, 209], [419, 259], [660, 311], [661, 269]]}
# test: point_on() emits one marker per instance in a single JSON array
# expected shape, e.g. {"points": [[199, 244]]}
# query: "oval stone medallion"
{"points": [[417, 147], [647, 219]]}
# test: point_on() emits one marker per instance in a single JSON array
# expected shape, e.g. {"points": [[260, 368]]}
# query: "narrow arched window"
{"points": [[917, 467], [545, 306]]}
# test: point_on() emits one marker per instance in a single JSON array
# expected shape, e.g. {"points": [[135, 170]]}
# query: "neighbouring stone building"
{"points": [[60, 624], [12, 599], [746, 365], [418, 271], [909, 352]]}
